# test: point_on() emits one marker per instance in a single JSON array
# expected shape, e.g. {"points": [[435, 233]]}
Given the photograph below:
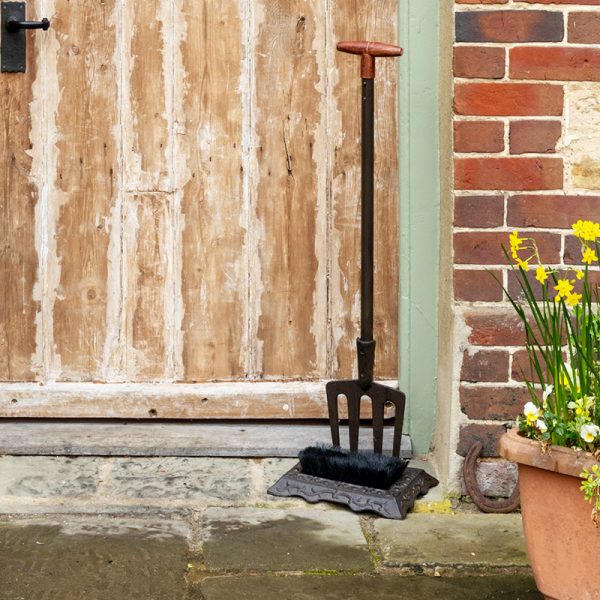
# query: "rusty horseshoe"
{"points": [[485, 504]]}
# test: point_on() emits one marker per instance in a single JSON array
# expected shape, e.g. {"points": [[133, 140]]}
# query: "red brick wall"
{"points": [[517, 165]]}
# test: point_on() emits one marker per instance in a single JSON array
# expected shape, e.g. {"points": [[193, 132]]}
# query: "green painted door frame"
{"points": [[419, 30]]}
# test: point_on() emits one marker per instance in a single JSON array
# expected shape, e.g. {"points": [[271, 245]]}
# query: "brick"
{"points": [[477, 286], [514, 284], [584, 28], [509, 26], [556, 211], [496, 478], [521, 369], [485, 247], [484, 365], [573, 253], [552, 63], [478, 136], [585, 169], [508, 173], [508, 99], [534, 136], [478, 211], [495, 327], [488, 435], [479, 61], [493, 403]]}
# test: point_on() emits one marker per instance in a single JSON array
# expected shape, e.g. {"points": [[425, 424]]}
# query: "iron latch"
{"points": [[13, 55]]}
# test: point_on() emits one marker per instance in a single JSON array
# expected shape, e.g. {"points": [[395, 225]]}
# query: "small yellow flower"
{"points": [[523, 264], [563, 287], [586, 230], [541, 275], [516, 243], [589, 256], [573, 299], [580, 274]]}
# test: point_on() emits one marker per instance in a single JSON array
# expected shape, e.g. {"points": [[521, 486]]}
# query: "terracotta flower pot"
{"points": [[562, 541]]}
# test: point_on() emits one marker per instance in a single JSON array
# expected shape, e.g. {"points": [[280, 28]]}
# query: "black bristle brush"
{"points": [[360, 468]]}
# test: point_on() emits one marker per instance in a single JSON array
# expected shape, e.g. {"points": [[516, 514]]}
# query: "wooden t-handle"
{"points": [[368, 51]]}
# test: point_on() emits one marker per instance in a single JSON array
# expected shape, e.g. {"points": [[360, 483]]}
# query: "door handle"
{"points": [[13, 24], [13, 57]]}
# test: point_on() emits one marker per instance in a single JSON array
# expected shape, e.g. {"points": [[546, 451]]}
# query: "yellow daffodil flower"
{"points": [[580, 274], [586, 230], [563, 287], [516, 243], [541, 275], [573, 299], [589, 256]]}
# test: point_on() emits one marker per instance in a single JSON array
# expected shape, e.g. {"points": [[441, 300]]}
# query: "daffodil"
{"points": [[589, 256], [589, 433], [586, 230], [516, 243], [580, 274], [532, 413], [563, 288], [568, 375], [541, 275], [523, 264], [547, 391], [573, 299]]}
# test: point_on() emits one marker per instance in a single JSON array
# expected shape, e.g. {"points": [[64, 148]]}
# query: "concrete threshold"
{"points": [[167, 438]]}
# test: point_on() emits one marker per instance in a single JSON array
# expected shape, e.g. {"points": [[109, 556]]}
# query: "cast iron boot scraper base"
{"points": [[395, 502]]}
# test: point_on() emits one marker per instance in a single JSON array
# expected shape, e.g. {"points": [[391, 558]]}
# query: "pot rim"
{"points": [[560, 459]]}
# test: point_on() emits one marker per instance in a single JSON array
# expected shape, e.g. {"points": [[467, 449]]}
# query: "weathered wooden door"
{"points": [[180, 208]]}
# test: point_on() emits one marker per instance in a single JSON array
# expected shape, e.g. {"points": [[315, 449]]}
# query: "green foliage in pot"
{"points": [[560, 313]]}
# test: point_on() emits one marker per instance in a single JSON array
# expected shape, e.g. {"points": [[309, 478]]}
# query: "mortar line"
{"points": [[257, 478], [105, 477]]}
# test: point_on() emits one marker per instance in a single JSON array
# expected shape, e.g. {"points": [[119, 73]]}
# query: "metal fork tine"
{"points": [[332, 407], [398, 423], [353, 419], [377, 408]]}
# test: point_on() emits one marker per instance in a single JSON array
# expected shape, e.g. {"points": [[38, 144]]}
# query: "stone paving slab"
{"points": [[284, 540], [199, 479], [464, 539], [100, 560], [505, 587], [49, 476]]}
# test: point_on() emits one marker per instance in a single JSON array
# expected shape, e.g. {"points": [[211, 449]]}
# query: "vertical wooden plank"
{"points": [[210, 172], [84, 192], [353, 20], [290, 124], [147, 217], [18, 256], [146, 225], [147, 113]]}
